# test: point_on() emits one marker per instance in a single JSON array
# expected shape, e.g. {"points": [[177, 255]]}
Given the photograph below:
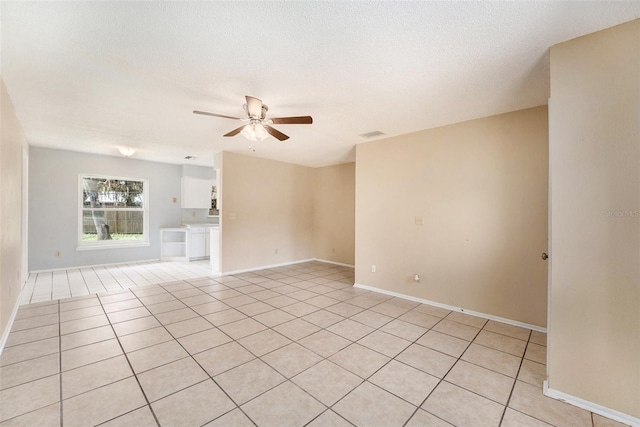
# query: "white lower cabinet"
{"points": [[197, 242], [186, 243], [173, 244]]}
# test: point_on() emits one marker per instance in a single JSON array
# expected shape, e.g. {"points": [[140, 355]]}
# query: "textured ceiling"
{"points": [[89, 76]]}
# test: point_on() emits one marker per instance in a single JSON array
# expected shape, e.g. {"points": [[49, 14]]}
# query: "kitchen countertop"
{"points": [[199, 224]]}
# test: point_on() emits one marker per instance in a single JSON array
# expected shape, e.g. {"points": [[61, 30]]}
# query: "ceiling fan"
{"points": [[259, 126]]}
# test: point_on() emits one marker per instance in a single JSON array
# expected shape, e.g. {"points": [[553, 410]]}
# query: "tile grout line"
{"points": [[321, 328], [130, 367], [60, 367], [189, 356], [506, 406]]}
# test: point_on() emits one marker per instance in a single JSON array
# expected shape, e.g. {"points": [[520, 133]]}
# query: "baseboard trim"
{"points": [[12, 318], [334, 262], [590, 406], [452, 308], [264, 267], [50, 270]]}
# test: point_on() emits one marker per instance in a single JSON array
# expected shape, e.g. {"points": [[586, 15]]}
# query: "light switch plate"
{"points": [[419, 220]]}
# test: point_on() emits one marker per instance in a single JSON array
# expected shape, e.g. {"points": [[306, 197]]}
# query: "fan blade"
{"points": [[254, 106], [234, 132], [276, 133], [204, 113], [300, 120]]}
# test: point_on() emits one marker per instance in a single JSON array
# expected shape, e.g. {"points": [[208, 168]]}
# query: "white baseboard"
{"points": [[590, 406], [264, 267], [12, 318], [93, 266], [452, 308], [334, 262]]}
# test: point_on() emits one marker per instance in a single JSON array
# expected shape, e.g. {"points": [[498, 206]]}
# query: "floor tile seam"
{"points": [[285, 379], [279, 384], [28, 412], [513, 386], [440, 381], [325, 411], [151, 402], [464, 324], [492, 370], [31, 317], [128, 412], [60, 364], [210, 377], [81, 317], [132, 371], [508, 336], [33, 327], [31, 358], [31, 381], [29, 342], [536, 417], [361, 381], [385, 390], [504, 405], [420, 408], [532, 416], [63, 310], [94, 388], [501, 351]]}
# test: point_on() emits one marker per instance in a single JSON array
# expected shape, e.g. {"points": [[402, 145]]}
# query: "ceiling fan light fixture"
{"points": [[254, 132], [259, 126], [126, 151]]}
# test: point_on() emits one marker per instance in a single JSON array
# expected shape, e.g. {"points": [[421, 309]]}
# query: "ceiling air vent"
{"points": [[371, 134]]}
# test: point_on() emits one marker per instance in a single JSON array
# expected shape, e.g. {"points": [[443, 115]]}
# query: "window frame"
{"points": [[82, 245]]}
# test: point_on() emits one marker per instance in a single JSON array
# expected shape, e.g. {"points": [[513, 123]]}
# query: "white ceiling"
{"points": [[89, 76]]}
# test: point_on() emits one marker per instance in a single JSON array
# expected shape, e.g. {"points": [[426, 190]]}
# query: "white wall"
{"points": [[53, 206], [12, 143], [594, 130]]}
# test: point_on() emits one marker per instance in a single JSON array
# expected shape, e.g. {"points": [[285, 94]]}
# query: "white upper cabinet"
{"points": [[196, 193]]}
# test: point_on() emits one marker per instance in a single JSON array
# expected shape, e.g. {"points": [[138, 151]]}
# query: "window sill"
{"points": [[112, 246]]}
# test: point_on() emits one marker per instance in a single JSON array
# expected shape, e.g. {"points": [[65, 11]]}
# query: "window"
{"points": [[113, 212]]}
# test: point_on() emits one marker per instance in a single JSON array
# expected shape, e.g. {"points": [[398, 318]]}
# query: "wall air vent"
{"points": [[371, 134]]}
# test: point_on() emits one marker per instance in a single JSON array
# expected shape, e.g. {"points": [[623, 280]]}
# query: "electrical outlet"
{"points": [[419, 220], [193, 213], [276, 251], [416, 277], [58, 253], [373, 268], [175, 200], [233, 216], [333, 250]]}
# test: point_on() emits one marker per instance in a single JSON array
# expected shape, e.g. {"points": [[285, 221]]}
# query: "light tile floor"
{"points": [[61, 284], [289, 346]]}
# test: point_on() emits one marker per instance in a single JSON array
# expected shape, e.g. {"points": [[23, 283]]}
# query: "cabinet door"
{"points": [[196, 193], [197, 245]]}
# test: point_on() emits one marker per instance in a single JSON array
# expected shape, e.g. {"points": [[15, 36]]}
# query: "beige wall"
{"points": [[594, 129], [481, 189], [334, 213], [273, 207], [12, 143]]}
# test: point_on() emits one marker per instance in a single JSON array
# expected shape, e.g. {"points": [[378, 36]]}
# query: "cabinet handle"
{"points": [[544, 256]]}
